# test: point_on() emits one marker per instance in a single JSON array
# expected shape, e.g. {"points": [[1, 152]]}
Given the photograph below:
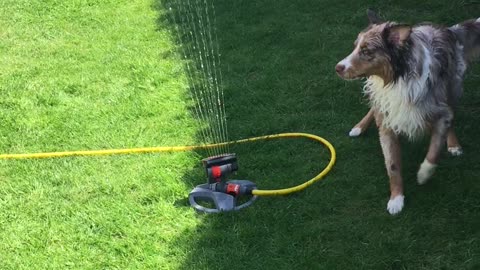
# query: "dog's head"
{"points": [[376, 50]]}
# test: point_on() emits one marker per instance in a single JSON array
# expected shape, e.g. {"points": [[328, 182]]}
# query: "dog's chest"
{"points": [[396, 104]]}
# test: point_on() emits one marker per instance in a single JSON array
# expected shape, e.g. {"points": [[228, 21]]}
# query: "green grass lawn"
{"points": [[100, 74]]}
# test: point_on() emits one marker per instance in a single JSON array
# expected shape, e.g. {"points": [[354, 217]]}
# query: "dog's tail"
{"points": [[468, 33]]}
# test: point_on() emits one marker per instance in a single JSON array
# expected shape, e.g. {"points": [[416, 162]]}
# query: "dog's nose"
{"points": [[339, 68]]}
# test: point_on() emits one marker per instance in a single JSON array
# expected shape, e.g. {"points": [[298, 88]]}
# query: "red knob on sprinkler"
{"points": [[219, 167]]}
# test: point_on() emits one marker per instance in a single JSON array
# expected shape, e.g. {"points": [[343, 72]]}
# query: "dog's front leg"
{"points": [[362, 126], [439, 134], [453, 145], [391, 152]]}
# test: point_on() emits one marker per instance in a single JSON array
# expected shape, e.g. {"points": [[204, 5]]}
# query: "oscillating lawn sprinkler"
{"points": [[224, 195]]}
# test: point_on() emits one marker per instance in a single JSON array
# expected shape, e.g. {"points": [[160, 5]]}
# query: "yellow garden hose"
{"points": [[198, 147]]}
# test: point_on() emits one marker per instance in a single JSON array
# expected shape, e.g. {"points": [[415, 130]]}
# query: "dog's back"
{"points": [[468, 33]]}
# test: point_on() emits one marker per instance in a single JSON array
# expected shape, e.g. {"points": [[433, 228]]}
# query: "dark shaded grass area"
{"points": [[278, 58]]}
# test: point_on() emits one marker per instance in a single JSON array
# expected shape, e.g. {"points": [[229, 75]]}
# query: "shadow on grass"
{"points": [[277, 62]]}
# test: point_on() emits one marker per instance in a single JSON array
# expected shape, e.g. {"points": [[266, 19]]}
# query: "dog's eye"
{"points": [[364, 51]]}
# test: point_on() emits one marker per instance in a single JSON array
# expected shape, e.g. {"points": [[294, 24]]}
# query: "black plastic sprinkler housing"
{"points": [[224, 195]]}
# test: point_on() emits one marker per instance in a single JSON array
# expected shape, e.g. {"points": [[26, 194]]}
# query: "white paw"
{"points": [[355, 132], [455, 151], [395, 205], [425, 172]]}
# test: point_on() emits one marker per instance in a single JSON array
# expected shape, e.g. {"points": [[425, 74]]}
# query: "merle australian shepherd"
{"points": [[414, 78]]}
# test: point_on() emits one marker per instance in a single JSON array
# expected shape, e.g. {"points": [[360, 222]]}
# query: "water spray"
{"points": [[198, 48]]}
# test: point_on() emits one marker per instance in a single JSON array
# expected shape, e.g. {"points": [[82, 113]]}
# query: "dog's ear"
{"points": [[398, 34], [373, 18]]}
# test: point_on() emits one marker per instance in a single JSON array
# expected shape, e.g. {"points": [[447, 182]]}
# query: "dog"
{"points": [[414, 76]]}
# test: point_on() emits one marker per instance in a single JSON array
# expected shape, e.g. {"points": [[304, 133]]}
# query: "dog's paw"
{"points": [[455, 151], [425, 172], [355, 132], [395, 205]]}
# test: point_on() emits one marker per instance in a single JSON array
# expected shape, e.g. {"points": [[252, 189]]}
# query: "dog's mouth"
{"points": [[348, 77]]}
